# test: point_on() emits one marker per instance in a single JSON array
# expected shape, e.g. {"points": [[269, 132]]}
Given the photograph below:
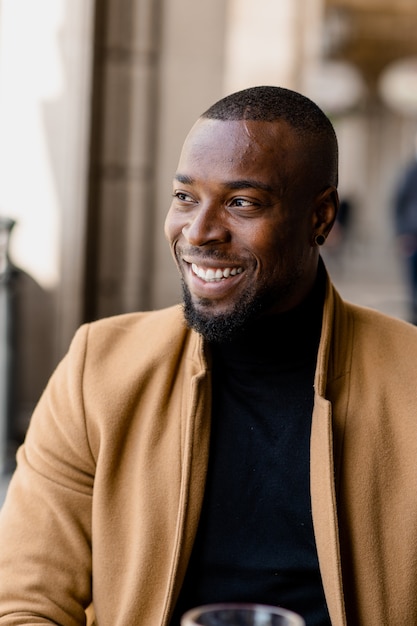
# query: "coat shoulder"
{"points": [[154, 331], [383, 342], [380, 326]]}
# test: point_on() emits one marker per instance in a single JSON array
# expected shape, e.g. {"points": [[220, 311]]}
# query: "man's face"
{"points": [[241, 224]]}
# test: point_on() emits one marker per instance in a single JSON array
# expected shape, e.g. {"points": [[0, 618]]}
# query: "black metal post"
{"points": [[6, 341]]}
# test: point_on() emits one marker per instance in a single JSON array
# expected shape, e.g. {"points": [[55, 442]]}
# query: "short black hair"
{"points": [[272, 103]]}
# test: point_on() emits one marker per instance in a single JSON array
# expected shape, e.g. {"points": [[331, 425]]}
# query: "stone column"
{"points": [[119, 265]]}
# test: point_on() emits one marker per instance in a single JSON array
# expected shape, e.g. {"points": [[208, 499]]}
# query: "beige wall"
{"points": [[190, 80]]}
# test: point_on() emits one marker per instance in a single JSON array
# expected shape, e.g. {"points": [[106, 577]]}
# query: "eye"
{"points": [[242, 202], [247, 207], [182, 196]]}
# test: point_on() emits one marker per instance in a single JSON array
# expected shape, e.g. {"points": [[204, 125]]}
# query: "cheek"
{"points": [[172, 227], [281, 253], [271, 244]]}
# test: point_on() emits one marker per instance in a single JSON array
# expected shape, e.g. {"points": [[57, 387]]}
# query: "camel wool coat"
{"points": [[105, 501]]}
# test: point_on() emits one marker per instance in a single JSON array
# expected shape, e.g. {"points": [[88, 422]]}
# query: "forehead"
{"points": [[239, 148]]}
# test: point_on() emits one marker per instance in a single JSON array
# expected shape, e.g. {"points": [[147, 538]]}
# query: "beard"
{"points": [[224, 327]]}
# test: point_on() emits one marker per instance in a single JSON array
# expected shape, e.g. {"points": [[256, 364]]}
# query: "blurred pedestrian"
{"points": [[405, 212]]}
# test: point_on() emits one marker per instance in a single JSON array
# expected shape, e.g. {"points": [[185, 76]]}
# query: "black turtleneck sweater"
{"points": [[255, 539]]}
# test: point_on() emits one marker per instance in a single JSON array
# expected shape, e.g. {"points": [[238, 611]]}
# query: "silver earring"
{"points": [[319, 240]]}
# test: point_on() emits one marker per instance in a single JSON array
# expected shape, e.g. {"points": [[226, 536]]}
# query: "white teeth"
{"points": [[214, 275]]}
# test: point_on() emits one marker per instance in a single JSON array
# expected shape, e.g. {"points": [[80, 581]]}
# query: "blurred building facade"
{"points": [[133, 77]]}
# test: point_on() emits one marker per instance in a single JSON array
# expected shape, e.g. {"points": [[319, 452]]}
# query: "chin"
{"points": [[219, 326]]}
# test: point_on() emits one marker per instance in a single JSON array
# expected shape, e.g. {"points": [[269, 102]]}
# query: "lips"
{"points": [[215, 274]]}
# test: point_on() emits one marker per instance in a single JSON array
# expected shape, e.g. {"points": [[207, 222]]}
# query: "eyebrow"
{"points": [[182, 178], [230, 184]]}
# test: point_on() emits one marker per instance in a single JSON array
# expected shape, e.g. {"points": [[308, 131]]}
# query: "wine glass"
{"points": [[237, 614]]}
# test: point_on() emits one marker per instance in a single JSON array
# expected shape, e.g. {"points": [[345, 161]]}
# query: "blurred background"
{"points": [[96, 98]]}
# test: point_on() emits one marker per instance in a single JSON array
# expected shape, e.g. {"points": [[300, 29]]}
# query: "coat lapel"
{"points": [[323, 472], [323, 501]]}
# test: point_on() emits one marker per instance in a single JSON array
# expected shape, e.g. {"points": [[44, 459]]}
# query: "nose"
{"points": [[206, 225]]}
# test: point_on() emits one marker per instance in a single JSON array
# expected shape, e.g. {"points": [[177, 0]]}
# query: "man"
{"points": [[264, 451]]}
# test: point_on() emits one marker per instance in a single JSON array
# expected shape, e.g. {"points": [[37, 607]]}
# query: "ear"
{"points": [[324, 214]]}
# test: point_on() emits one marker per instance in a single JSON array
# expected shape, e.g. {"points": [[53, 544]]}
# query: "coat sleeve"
{"points": [[45, 522]]}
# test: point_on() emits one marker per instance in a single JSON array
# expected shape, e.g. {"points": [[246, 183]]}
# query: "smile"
{"points": [[211, 275]]}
